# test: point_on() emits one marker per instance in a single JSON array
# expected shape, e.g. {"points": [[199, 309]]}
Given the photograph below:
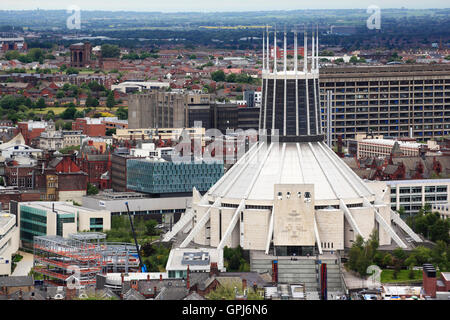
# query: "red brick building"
{"points": [[91, 127], [95, 164], [432, 284], [7, 195], [22, 177], [62, 180], [31, 130]]}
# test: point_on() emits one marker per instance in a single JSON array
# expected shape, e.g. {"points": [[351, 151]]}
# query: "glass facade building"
{"points": [[33, 222], [169, 177]]}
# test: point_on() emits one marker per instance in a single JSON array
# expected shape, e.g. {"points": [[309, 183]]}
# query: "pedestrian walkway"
{"points": [[24, 266]]}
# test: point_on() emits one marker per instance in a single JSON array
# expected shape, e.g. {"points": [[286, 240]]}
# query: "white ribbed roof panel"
{"points": [[314, 175], [314, 164]]}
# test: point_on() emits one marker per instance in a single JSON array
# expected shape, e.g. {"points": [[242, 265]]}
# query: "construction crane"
{"points": [[141, 264]]}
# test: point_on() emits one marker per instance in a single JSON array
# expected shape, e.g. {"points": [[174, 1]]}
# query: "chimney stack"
{"points": [[188, 284], [213, 270]]}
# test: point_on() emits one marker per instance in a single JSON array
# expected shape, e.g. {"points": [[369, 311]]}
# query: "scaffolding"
{"points": [[83, 256]]}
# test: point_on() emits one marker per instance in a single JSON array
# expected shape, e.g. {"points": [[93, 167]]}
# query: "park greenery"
{"points": [[355, 60], [154, 254], [430, 225], [33, 55], [110, 51], [234, 259], [135, 56], [20, 108], [363, 254], [220, 76]]}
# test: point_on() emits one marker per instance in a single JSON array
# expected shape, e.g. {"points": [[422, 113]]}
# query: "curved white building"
{"points": [[289, 194]]}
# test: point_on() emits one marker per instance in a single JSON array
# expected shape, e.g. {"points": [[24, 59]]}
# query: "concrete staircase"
{"points": [[184, 221], [402, 224], [334, 276], [303, 271]]}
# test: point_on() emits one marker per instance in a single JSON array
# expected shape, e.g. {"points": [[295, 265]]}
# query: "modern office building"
{"points": [[165, 210], [9, 242], [224, 116], [442, 209], [411, 195], [119, 169], [58, 218], [290, 193], [157, 176], [162, 109], [387, 100]]}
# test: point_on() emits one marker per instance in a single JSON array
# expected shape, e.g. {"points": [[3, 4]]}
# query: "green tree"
{"points": [[91, 101], [67, 125], [110, 132], [150, 227], [421, 254], [91, 189], [12, 55], [218, 76], [354, 59], [399, 254], [439, 230], [69, 113], [122, 113], [387, 260], [110, 51], [110, 101], [72, 71], [41, 103], [60, 94]]}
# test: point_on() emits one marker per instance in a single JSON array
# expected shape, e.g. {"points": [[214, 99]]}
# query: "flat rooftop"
{"points": [[389, 142], [6, 218], [178, 259], [118, 195], [60, 207]]}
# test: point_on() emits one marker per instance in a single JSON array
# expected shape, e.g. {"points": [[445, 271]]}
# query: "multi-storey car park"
{"points": [[389, 100], [60, 259]]}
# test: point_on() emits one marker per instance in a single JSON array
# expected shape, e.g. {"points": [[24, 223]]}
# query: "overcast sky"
{"points": [[215, 5]]}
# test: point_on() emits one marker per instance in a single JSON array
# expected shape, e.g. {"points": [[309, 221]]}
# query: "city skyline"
{"points": [[214, 6]]}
